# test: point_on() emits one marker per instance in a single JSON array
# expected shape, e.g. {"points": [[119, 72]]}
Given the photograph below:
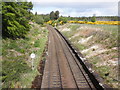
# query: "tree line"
{"points": [[54, 16], [41, 18], [98, 18]]}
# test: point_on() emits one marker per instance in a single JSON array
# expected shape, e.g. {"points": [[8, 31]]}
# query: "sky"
{"points": [[77, 8]]}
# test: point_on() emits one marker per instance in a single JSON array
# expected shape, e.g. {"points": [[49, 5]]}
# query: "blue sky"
{"points": [[77, 7]]}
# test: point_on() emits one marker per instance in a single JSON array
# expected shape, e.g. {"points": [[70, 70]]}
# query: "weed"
{"points": [[12, 69], [73, 27], [94, 60], [37, 43], [79, 46]]}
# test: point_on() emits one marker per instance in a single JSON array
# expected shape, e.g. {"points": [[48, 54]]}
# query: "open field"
{"points": [[98, 43], [16, 57], [97, 22]]}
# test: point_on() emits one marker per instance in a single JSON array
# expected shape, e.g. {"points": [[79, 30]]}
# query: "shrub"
{"points": [[63, 19], [93, 19], [39, 19], [37, 43]]}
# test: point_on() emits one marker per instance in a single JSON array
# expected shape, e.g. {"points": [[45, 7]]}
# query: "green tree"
{"points": [[93, 19], [52, 15], [56, 15], [35, 13], [15, 18]]}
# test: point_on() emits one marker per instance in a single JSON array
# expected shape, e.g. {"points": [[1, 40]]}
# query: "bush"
{"points": [[39, 19], [46, 18], [63, 19], [93, 19]]}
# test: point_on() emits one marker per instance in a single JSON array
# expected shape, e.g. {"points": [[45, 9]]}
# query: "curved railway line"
{"points": [[64, 68]]}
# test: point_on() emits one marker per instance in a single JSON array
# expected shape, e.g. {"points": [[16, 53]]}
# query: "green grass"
{"points": [[37, 43], [16, 59], [105, 27]]}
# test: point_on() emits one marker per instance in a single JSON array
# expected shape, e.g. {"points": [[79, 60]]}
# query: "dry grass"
{"points": [[100, 49]]}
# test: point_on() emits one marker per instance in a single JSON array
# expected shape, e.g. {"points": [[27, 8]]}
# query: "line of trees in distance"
{"points": [[55, 16]]}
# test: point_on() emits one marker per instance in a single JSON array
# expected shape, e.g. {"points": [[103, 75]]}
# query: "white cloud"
{"points": [[77, 9], [87, 13]]}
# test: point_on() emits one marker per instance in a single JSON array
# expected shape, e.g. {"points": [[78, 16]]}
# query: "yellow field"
{"points": [[52, 22], [97, 22]]}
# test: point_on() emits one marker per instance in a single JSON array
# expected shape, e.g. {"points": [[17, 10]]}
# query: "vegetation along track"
{"points": [[63, 68]]}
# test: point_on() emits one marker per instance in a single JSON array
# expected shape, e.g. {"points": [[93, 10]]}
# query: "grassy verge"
{"points": [[16, 61], [98, 43]]}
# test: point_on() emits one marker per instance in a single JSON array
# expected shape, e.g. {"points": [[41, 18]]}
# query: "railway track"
{"points": [[62, 67]]}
